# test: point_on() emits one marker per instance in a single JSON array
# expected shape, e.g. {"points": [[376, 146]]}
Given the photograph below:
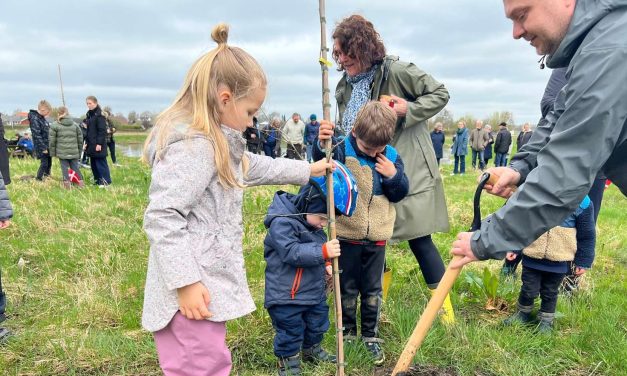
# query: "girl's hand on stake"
{"points": [[320, 168], [193, 301], [4, 223], [325, 132]]}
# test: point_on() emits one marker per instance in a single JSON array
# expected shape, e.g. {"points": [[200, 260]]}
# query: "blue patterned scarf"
{"points": [[361, 84]]}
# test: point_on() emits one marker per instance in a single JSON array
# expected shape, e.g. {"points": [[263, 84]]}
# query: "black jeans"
{"points": [[546, 284], [111, 146], [429, 259], [100, 169], [362, 274], [45, 163]]}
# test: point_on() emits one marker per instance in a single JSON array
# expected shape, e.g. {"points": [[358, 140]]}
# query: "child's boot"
{"points": [[289, 366], [374, 347], [317, 354], [447, 315], [522, 316], [81, 184], [67, 184], [545, 324]]}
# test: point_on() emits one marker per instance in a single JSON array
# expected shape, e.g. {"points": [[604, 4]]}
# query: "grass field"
{"points": [[74, 265]]}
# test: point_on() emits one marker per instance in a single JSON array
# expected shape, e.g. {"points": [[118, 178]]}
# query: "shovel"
{"points": [[445, 285]]}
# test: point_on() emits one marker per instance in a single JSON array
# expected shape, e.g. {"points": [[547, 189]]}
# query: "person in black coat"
{"points": [[524, 136], [253, 137], [40, 130], [96, 142], [501, 145], [487, 153], [437, 139], [4, 156]]}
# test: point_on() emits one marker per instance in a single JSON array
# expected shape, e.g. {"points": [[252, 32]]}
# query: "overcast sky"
{"points": [[133, 54]]}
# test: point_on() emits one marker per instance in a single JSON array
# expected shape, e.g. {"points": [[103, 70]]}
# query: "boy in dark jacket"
{"points": [[6, 212], [40, 129], [379, 172], [545, 263], [297, 253]]}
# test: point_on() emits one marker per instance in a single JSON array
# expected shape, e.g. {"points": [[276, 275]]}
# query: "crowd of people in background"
{"points": [[484, 143], [297, 136], [77, 146]]}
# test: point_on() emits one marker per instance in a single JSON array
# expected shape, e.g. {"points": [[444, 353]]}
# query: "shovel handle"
{"points": [[426, 320]]}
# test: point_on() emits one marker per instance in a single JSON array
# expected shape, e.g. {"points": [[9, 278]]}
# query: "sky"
{"points": [[134, 54]]}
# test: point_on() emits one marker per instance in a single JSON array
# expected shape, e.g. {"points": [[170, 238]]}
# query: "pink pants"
{"points": [[193, 348]]}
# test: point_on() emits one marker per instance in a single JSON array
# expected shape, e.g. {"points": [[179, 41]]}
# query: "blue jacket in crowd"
{"points": [[295, 270], [460, 142], [311, 132]]}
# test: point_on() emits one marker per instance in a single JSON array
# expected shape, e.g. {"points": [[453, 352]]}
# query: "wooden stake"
{"points": [[426, 320], [326, 111], [61, 83]]}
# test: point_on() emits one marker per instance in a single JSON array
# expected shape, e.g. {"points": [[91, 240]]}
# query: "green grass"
{"points": [[75, 304]]}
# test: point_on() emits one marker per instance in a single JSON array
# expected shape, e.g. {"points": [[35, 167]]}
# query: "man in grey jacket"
{"points": [[574, 143]]}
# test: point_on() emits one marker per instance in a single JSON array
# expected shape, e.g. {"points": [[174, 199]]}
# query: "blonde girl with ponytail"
{"points": [[196, 279]]}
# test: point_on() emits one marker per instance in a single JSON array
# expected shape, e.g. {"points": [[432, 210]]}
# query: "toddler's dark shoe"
{"points": [[317, 354], [545, 324], [374, 347], [289, 366], [519, 317]]}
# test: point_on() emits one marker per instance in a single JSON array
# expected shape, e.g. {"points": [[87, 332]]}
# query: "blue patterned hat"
{"points": [[344, 189]]}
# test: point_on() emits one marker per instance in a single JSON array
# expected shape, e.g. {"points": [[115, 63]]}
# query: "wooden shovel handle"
{"points": [[426, 320]]}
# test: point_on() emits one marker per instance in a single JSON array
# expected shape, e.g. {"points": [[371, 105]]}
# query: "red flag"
{"points": [[73, 176]]}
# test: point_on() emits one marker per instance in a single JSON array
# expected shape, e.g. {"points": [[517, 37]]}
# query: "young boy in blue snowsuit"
{"points": [[545, 263], [297, 254]]}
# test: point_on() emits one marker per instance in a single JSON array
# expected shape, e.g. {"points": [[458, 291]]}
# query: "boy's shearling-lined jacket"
{"points": [[195, 225], [374, 215]]}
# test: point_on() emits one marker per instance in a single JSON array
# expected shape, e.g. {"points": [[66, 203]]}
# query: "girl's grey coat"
{"points": [[195, 225]]}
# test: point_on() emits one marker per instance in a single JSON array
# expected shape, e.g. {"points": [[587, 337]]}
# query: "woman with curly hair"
{"points": [[370, 74]]}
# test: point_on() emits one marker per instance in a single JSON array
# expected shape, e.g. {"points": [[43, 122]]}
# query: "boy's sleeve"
{"points": [[284, 236], [586, 238], [396, 187]]}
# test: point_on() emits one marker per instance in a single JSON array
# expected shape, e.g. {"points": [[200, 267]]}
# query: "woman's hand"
{"points": [[325, 132], [579, 271], [320, 168], [511, 256], [98, 147], [400, 105], [194, 301], [385, 166]]}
